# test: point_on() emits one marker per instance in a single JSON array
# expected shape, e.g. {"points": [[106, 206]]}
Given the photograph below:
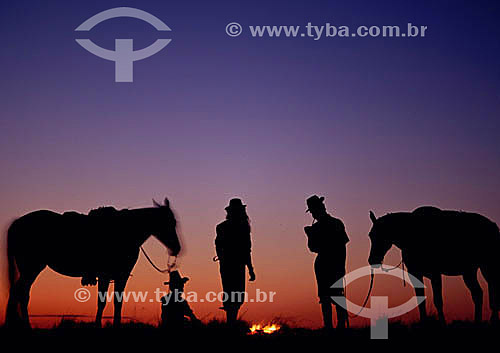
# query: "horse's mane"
{"points": [[394, 216], [125, 218]]}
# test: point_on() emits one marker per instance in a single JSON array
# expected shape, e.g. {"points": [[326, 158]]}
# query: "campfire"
{"points": [[264, 329]]}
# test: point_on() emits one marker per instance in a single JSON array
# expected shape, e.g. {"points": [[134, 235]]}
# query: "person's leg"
{"points": [[341, 315], [231, 314], [339, 293], [233, 284], [340, 305], [225, 275], [326, 309]]}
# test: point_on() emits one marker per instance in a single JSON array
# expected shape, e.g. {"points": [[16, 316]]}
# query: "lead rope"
{"points": [[402, 264], [403, 270], [366, 299], [170, 266], [392, 268]]}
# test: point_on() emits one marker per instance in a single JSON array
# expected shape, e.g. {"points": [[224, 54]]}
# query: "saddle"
{"points": [[94, 222], [106, 211], [97, 223]]}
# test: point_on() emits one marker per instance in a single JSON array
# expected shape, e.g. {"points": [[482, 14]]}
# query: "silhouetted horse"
{"points": [[435, 242], [104, 244]]}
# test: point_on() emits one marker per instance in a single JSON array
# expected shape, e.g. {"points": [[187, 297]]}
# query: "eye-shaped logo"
{"points": [[379, 311], [124, 54]]}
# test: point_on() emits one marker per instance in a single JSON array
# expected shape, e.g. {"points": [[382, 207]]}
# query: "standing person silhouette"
{"points": [[327, 237], [233, 246]]}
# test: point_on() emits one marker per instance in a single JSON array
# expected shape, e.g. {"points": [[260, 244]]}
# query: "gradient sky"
{"points": [[385, 124]]}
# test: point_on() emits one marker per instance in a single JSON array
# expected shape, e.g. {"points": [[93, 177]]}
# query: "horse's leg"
{"points": [[120, 284], [493, 290], [12, 315], [420, 292], [470, 279], [23, 287], [437, 293], [102, 298]]}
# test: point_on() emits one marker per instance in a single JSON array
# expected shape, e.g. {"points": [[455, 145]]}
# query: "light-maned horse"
{"points": [[436, 242], [103, 245]]}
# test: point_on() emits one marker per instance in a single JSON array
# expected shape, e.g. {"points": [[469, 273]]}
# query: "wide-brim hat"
{"points": [[176, 278], [235, 204], [314, 202]]}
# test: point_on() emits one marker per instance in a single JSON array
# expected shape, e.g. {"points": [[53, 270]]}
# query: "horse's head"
{"points": [[379, 237], [166, 228]]}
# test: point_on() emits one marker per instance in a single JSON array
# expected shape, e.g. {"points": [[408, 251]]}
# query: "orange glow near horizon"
{"points": [[375, 123]]}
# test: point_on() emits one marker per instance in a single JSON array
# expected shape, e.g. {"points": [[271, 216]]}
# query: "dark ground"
{"points": [[69, 335]]}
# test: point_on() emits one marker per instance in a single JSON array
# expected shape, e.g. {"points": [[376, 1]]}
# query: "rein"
{"points": [[169, 268], [392, 268], [372, 275], [402, 264]]}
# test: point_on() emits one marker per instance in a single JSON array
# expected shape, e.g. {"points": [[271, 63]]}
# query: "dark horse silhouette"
{"points": [[434, 242], [104, 244]]}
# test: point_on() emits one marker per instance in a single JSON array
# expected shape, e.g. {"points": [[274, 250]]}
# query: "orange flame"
{"points": [[269, 328]]}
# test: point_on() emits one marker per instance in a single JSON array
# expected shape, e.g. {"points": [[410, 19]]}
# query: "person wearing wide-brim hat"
{"points": [[176, 281], [174, 307], [327, 237], [233, 246]]}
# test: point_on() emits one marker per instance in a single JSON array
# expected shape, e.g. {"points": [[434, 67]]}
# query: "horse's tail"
{"points": [[11, 260], [11, 312]]}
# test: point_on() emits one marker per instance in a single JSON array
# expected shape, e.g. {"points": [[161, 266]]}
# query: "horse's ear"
{"points": [[156, 204], [372, 217], [167, 203]]}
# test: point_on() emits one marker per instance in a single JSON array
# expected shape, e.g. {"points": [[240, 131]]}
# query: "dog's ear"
{"points": [[372, 217], [156, 204], [166, 202]]}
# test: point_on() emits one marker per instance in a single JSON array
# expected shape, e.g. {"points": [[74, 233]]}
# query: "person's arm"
{"points": [[342, 232], [249, 264], [312, 239], [219, 249], [251, 271]]}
